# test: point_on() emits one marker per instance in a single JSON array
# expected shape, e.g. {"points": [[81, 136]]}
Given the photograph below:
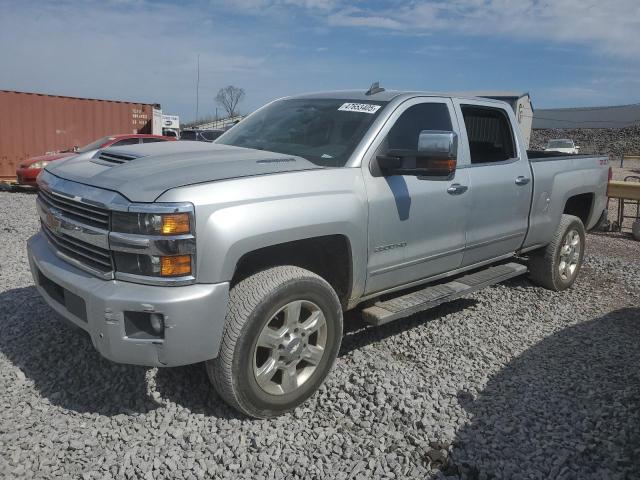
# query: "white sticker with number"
{"points": [[359, 107]]}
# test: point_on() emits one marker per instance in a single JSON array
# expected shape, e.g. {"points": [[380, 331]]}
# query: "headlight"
{"points": [[156, 241], [40, 164], [152, 223]]}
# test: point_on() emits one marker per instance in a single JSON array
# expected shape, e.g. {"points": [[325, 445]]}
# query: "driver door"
{"points": [[416, 225]]}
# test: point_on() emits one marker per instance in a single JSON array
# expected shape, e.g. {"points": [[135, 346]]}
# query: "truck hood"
{"points": [[147, 171]]}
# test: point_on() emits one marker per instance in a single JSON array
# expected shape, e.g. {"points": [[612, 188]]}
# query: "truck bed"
{"points": [[565, 183]]}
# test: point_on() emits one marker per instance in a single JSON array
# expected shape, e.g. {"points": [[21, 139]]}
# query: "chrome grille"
{"points": [[95, 259], [79, 211], [117, 158], [77, 230]]}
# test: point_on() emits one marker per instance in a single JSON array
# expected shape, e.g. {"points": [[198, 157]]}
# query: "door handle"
{"points": [[456, 189], [522, 180]]}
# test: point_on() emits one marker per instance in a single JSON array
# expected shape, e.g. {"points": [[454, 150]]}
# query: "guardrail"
{"points": [[219, 124]]}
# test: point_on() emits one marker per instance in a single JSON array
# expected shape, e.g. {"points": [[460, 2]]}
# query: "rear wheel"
{"points": [[557, 265], [281, 339]]}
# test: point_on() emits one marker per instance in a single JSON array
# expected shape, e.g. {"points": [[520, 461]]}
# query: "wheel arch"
{"points": [[329, 256], [580, 205]]}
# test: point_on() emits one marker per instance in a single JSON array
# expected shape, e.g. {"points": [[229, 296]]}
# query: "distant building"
{"points": [[619, 116]]}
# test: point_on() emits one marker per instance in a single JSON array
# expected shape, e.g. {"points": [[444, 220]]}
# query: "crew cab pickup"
{"points": [[245, 253]]}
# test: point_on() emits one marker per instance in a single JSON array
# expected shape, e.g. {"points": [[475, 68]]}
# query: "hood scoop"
{"points": [[112, 158]]}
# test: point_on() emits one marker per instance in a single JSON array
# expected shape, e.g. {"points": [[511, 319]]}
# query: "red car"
{"points": [[29, 169]]}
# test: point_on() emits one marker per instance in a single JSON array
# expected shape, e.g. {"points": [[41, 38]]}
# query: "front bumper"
{"points": [[194, 315]]}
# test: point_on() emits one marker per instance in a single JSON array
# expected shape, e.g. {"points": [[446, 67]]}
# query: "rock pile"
{"points": [[612, 141]]}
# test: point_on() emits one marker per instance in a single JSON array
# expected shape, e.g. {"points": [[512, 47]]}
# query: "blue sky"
{"points": [[565, 52]]}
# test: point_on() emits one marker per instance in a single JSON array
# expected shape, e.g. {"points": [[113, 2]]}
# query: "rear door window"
{"points": [[153, 140], [489, 133]]}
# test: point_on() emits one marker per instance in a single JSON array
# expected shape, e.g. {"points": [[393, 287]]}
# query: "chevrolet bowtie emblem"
{"points": [[52, 221]]}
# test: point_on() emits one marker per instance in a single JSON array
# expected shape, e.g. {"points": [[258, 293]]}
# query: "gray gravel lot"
{"points": [[511, 382]]}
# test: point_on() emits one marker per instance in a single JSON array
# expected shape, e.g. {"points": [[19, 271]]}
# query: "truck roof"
{"points": [[384, 96]]}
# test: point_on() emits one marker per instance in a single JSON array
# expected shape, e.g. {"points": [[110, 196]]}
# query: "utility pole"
{"points": [[198, 89]]}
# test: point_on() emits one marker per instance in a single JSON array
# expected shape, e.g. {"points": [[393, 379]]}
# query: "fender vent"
{"points": [[115, 158]]}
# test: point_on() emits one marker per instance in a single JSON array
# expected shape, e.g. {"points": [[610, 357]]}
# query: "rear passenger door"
{"points": [[500, 181]]}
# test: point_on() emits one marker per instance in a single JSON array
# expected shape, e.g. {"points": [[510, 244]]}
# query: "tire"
{"points": [[271, 358], [546, 265]]}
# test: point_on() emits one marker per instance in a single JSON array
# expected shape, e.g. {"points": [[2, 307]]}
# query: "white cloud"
{"points": [[607, 28], [348, 19], [612, 29], [314, 4]]}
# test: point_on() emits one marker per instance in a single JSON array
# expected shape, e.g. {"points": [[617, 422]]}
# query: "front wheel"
{"points": [[557, 265], [281, 338]]}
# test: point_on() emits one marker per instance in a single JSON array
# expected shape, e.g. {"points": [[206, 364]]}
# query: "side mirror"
{"points": [[436, 156], [438, 144]]}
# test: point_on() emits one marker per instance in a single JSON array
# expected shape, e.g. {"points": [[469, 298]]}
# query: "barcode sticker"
{"points": [[359, 107]]}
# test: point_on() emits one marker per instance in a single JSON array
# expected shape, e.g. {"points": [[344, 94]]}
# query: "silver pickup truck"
{"points": [[245, 253]]}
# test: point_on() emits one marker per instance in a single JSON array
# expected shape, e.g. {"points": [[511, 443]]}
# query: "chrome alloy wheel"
{"points": [[569, 255], [290, 347]]}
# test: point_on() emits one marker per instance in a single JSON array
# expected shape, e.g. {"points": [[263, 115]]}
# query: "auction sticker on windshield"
{"points": [[359, 107]]}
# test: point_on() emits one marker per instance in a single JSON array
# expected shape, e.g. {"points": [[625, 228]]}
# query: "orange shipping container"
{"points": [[33, 124]]}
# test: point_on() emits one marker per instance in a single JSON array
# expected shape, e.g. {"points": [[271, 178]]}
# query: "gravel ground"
{"points": [[511, 382]]}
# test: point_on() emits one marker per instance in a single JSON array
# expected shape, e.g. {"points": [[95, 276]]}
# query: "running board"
{"points": [[400, 307]]}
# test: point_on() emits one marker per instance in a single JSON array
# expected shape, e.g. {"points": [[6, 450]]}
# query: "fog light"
{"points": [[157, 322]]}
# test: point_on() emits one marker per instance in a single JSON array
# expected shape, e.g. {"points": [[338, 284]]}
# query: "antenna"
{"points": [[374, 88], [198, 89]]}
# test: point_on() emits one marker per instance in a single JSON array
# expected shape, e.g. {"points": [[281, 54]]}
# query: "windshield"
{"points": [[560, 144], [324, 131], [94, 145]]}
